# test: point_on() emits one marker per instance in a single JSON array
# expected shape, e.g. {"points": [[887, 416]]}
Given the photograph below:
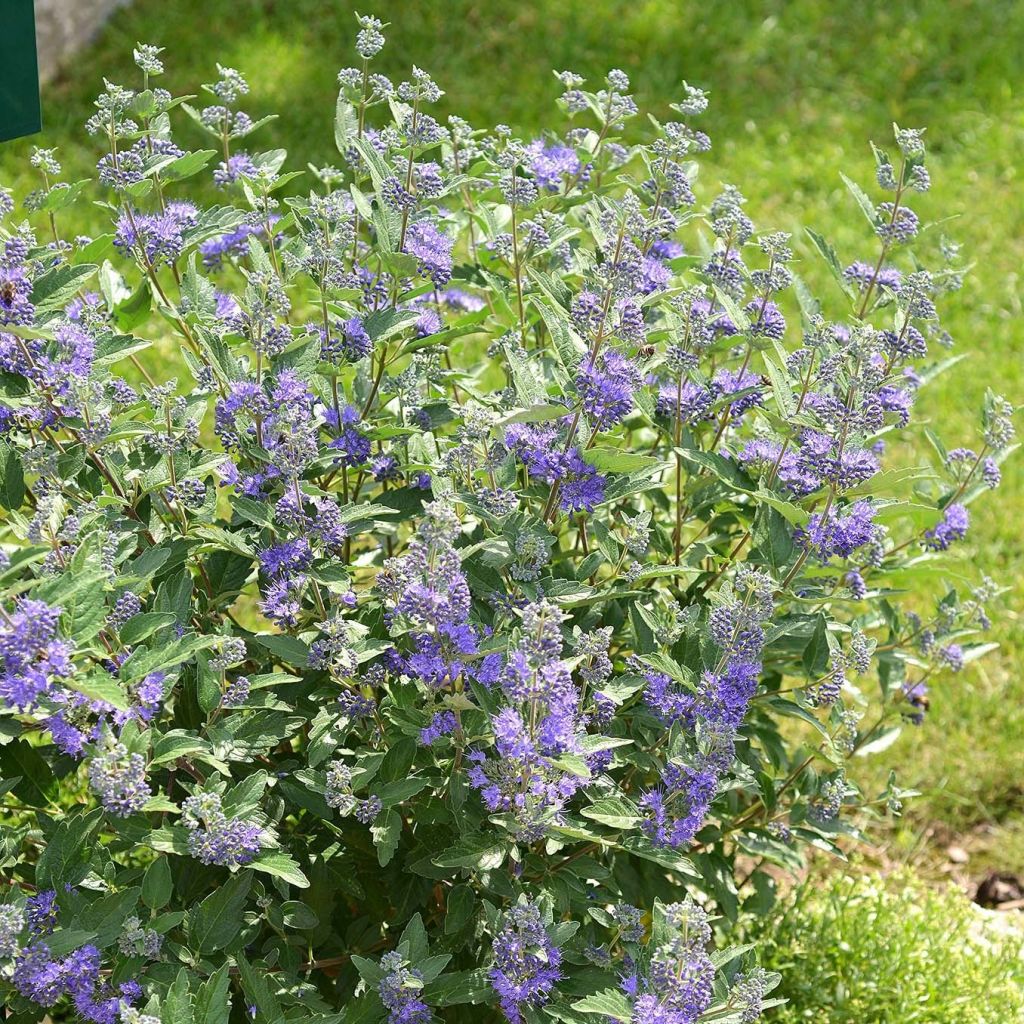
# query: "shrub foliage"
{"points": [[425, 580]]}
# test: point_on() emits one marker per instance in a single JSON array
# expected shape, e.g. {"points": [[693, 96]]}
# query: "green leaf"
{"points": [[67, 940], [863, 200], [105, 916], [187, 165], [885, 739], [609, 1003], [256, 989], [115, 347], [217, 921], [62, 195], [177, 1003], [145, 660], [36, 784], [274, 862], [156, 884], [615, 812], [567, 343], [172, 839], [385, 323], [398, 760], [816, 653], [346, 124], [67, 856], [285, 648], [401, 789], [733, 308], [138, 627], [298, 916], [828, 252], [478, 851], [725, 469], [773, 539], [211, 1002], [99, 686], [12, 478], [459, 988], [57, 287], [133, 311], [614, 460], [414, 938], [386, 832], [458, 909]]}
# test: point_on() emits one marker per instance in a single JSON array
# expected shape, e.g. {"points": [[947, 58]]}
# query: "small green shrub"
{"points": [[870, 950]]}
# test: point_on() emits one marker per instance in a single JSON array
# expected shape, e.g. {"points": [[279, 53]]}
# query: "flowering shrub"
{"points": [[486, 547]]}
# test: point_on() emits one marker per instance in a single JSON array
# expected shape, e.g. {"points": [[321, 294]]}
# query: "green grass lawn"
{"points": [[798, 88], [870, 950]]}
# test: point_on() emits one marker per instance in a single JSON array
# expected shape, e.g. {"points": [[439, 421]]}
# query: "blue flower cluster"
{"points": [[213, 837], [679, 982], [526, 962]]}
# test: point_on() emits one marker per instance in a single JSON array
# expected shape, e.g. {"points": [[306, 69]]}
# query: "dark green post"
{"points": [[19, 70]]}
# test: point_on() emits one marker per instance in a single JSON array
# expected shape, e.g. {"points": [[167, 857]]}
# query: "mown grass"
{"points": [[875, 950], [798, 88]]}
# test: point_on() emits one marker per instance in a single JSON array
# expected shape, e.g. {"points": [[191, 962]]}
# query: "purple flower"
{"points": [[442, 724], [31, 655], [385, 467], [766, 319], [155, 238], [896, 400], [232, 243], [237, 693], [587, 312], [862, 274], [41, 913], [667, 700], [213, 838], [555, 165], [606, 389], [952, 656], [237, 166], [582, 486], [679, 985], [427, 585], [789, 469], [119, 779], [399, 991], [126, 606], [840, 531], [427, 323], [666, 249], [896, 224], [288, 557], [953, 526], [45, 980], [536, 447], [526, 962], [355, 342], [690, 399], [654, 275], [367, 811], [15, 289], [858, 588], [433, 249], [729, 382], [456, 298]]}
